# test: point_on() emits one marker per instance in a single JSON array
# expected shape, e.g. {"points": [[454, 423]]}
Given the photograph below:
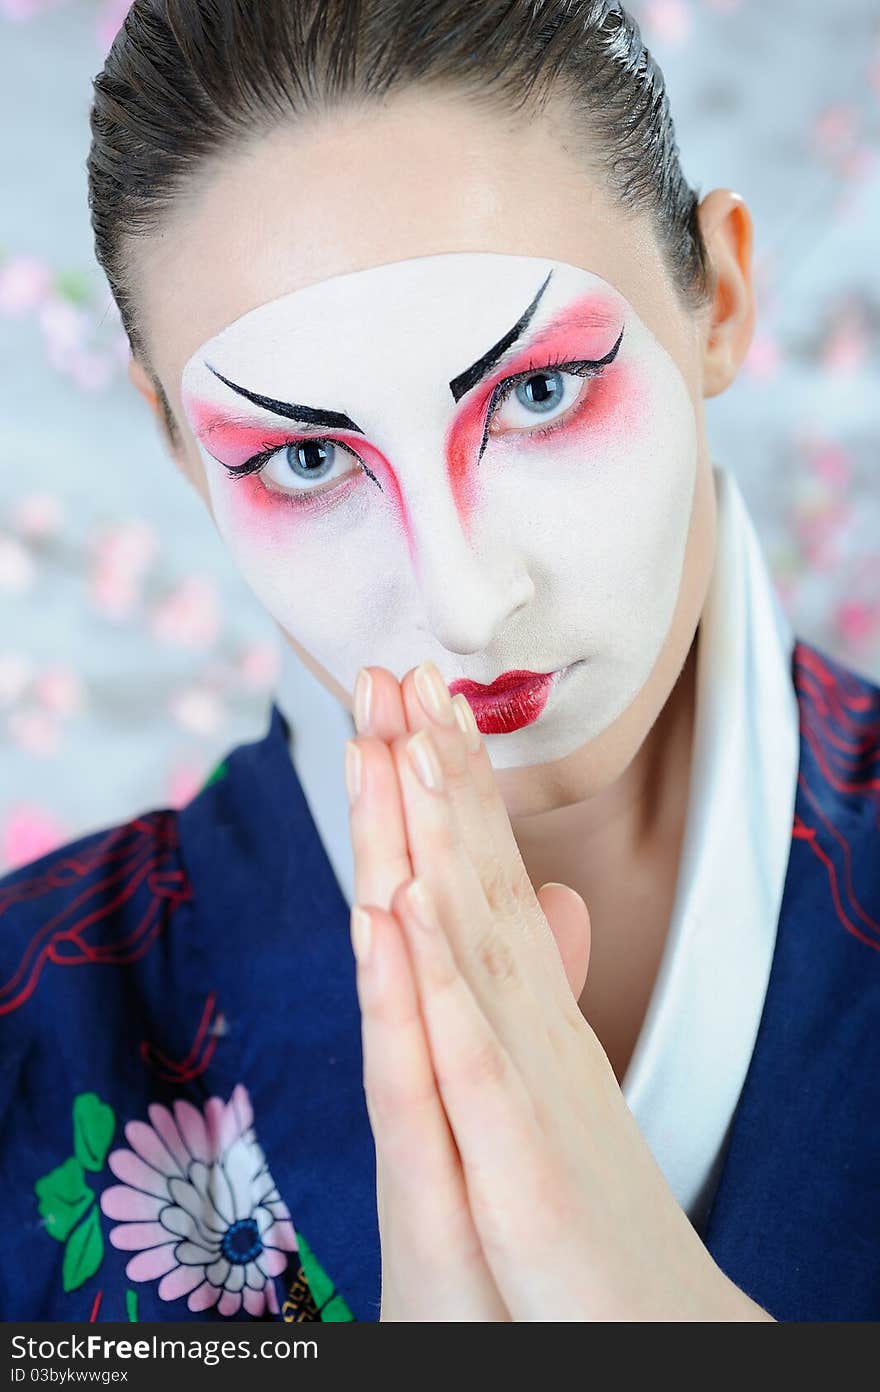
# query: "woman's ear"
{"points": [[726, 225]]}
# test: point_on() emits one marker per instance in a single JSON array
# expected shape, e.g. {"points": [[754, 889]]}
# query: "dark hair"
{"points": [[186, 80]]}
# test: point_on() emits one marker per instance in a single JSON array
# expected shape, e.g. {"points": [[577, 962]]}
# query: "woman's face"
{"points": [[442, 401]]}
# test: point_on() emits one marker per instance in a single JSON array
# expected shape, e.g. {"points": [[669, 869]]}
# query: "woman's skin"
{"points": [[321, 199]]}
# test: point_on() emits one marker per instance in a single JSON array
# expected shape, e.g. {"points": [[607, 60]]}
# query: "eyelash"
{"points": [[582, 367]]}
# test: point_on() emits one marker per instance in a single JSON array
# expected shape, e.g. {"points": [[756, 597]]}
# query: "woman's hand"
{"points": [[513, 1181], [432, 1261]]}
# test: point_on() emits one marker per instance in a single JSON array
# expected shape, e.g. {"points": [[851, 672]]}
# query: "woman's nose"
{"points": [[470, 585]]}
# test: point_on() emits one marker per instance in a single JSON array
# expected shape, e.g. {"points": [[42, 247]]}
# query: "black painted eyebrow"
{"points": [[473, 374], [305, 415], [338, 420]]}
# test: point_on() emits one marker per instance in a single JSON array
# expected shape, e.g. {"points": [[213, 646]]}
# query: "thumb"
{"points": [[569, 920]]}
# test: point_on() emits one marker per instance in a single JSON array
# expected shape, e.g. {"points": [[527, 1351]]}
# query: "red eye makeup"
{"points": [[569, 343]]}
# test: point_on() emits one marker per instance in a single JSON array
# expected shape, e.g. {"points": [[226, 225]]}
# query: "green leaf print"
{"points": [[331, 1305], [216, 774], [84, 1251], [63, 1197], [93, 1126], [336, 1311]]}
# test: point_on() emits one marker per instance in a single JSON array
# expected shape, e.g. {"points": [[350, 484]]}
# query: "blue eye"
{"points": [[311, 458], [541, 392], [544, 395]]}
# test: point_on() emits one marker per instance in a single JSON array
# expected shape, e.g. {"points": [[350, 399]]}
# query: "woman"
{"points": [[427, 312]]}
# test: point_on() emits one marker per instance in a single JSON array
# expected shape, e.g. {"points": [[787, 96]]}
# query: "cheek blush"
{"points": [[609, 405]]}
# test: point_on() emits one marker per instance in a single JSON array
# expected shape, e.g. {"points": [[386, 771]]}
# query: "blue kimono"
{"points": [[184, 1128]]}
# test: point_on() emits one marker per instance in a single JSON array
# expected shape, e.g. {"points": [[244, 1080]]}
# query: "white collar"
{"points": [[691, 1057], [698, 1035]]}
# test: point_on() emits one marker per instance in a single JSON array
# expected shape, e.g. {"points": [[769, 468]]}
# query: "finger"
{"points": [[376, 821], [495, 965], [430, 1247], [377, 701], [429, 706], [486, 832], [569, 920], [493, 1120]]}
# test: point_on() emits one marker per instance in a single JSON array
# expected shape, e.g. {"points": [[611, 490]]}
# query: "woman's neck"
{"points": [[620, 850]]}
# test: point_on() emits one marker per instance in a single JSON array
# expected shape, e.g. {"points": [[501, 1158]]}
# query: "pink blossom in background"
{"points": [[858, 623], [118, 564], [846, 348], [835, 130], [34, 731], [67, 333], [259, 664], [65, 327], [197, 710], [17, 569], [833, 466], [37, 515], [59, 689], [184, 781], [27, 832], [667, 21], [860, 164], [25, 282], [28, 9], [110, 19], [16, 670], [819, 525], [788, 588], [764, 358], [190, 615], [91, 371]]}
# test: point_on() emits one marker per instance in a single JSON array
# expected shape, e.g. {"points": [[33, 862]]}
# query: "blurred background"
{"points": [[131, 654]]}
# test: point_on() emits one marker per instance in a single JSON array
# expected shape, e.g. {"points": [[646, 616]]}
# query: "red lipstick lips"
{"points": [[513, 700]]}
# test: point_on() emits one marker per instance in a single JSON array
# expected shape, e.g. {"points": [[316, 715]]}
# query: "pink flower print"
{"points": [[199, 1207]]}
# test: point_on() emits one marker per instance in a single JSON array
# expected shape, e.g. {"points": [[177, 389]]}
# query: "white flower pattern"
{"points": [[200, 1208]]}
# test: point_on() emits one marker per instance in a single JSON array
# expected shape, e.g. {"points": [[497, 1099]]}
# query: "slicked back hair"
{"points": [[187, 80]]}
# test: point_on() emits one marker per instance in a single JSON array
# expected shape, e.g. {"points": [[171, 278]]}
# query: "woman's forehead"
{"points": [[435, 317]]}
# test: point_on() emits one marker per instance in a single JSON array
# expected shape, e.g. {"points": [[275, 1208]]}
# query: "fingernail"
{"points": [[352, 769], [363, 696], [360, 932], [423, 758], [467, 723], [422, 906], [433, 692]]}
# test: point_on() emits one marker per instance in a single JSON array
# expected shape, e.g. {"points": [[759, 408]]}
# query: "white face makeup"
{"points": [[480, 458]]}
